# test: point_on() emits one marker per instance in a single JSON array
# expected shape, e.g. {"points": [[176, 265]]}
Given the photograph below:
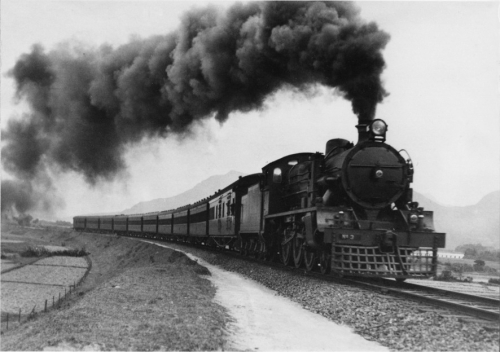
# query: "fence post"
{"points": [[7, 321], [59, 300]]}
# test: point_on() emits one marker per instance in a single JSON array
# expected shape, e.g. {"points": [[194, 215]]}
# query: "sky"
{"points": [[441, 72]]}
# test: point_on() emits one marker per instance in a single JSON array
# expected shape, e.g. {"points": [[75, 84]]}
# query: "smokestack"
{"points": [[363, 132]]}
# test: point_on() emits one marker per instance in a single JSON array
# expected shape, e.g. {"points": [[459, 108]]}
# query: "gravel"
{"points": [[395, 323]]}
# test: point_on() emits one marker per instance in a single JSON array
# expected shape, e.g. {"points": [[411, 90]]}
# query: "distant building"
{"points": [[450, 255]]}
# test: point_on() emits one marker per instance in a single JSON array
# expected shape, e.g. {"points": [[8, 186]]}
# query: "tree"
{"points": [[479, 262]]}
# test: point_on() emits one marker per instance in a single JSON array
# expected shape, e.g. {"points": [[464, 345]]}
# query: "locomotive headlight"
{"points": [[378, 127]]}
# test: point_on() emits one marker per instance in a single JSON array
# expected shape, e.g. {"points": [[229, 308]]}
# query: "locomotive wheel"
{"points": [[247, 248], [272, 253], [261, 251], [286, 253], [325, 261], [310, 260], [254, 248], [243, 251], [298, 252]]}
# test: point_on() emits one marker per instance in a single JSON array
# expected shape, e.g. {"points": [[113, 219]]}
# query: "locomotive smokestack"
{"points": [[363, 133]]}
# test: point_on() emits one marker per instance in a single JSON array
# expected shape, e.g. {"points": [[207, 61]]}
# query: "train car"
{"points": [[181, 222], [79, 223], [106, 223], [120, 223], [92, 223], [135, 223], [224, 218], [221, 220], [198, 220], [150, 224], [165, 223]]}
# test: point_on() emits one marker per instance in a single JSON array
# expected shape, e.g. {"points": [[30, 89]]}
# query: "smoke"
{"points": [[89, 104], [16, 195]]}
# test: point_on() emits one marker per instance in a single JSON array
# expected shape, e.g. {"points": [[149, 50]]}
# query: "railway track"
{"points": [[462, 305], [476, 306]]}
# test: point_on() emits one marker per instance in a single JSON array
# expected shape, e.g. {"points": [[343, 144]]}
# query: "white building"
{"points": [[450, 255]]}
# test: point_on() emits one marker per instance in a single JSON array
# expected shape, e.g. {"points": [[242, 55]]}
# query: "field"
{"points": [[491, 264], [477, 276], [136, 297]]}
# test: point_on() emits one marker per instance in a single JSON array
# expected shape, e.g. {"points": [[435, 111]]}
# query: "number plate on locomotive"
{"points": [[346, 237]]}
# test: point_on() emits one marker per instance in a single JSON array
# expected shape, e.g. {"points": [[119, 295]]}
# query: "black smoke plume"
{"points": [[88, 105]]}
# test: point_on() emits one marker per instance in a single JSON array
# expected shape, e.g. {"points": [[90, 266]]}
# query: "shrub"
{"points": [[34, 251], [43, 252]]}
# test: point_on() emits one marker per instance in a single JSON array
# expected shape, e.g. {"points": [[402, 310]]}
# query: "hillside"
{"points": [[200, 191], [479, 223]]}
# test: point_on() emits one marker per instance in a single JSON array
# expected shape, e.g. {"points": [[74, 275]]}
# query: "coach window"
{"points": [[277, 175]]}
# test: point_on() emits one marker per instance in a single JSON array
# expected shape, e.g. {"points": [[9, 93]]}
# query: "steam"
{"points": [[16, 195], [89, 104]]}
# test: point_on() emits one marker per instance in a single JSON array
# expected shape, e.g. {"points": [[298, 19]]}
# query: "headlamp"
{"points": [[378, 128]]}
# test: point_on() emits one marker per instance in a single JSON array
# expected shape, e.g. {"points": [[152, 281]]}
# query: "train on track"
{"points": [[349, 212]]}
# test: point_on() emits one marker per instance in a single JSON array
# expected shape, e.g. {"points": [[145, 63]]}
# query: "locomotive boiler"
{"points": [[348, 211]]}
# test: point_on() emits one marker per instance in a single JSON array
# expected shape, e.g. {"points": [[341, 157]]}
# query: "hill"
{"points": [[479, 223], [200, 191]]}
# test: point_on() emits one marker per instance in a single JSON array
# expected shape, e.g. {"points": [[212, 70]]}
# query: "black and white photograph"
{"points": [[250, 175]]}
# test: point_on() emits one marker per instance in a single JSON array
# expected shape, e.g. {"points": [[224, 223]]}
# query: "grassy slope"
{"points": [[137, 296]]}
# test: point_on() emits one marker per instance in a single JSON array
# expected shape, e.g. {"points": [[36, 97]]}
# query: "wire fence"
{"points": [[10, 319]]}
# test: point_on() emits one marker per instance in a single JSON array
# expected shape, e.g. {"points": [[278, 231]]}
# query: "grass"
{"points": [[137, 297]]}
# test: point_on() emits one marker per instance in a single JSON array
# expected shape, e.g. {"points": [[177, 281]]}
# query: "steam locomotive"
{"points": [[348, 212]]}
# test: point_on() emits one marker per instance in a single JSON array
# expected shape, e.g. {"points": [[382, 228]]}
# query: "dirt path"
{"points": [[266, 322]]}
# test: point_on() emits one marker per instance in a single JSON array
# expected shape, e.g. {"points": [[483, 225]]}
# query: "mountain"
{"points": [[479, 223], [200, 191]]}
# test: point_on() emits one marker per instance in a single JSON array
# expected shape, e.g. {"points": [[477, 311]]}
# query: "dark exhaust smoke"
{"points": [[89, 105]]}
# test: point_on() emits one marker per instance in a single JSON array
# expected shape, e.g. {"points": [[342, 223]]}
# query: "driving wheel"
{"points": [[298, 251], [325, 260], [310, 259]]}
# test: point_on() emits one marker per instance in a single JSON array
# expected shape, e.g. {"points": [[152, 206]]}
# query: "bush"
{"points": [[34, 251], [43, 252]]}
